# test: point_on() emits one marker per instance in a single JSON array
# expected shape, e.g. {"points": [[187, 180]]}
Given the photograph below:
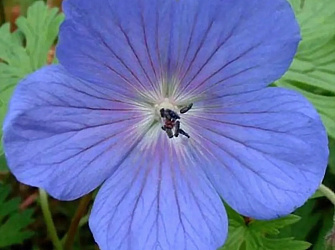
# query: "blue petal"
{"points": [[199, 46], [267, 150], [158, 200], [65, 135]]}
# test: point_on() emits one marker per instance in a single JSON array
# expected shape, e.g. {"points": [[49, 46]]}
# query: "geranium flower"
{"points": [[106, 114]]}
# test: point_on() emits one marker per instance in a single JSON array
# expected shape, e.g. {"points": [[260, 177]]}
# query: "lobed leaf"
{"points": [[272, 226], [12, 221], [25, 50], [255, 235], [313, 69]]}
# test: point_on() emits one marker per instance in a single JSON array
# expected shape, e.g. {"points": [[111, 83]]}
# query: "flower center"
{"points": [[169, 115], [167, 103]]}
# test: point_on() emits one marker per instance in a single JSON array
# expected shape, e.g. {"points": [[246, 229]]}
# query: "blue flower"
{"points": [[105, 116]]}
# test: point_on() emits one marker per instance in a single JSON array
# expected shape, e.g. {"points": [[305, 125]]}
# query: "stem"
{"points": [[81, 211], [83, 220], [49, 3], [326, 191], [48, 220]]}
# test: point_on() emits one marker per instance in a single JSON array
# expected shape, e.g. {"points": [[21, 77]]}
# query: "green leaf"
{"points": [[255, 235], [311, 227], [40, 29], [327, 224], [3, 164], [316, 19], [12, 221], [285, 243], [312, 71], [26, 50], [272, 226]]}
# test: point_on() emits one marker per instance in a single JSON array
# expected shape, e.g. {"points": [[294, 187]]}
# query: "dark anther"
{"points": [[185, 109], [182, 132], [171, 125], [162, 113], [177, 129], [169, 132], [169, 114]]}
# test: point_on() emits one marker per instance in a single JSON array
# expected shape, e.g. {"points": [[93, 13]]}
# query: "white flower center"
{"points": [[167, 103]]}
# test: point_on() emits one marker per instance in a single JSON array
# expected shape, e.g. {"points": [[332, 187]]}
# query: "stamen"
{"points": [[177, 129], [171, 121], [185, 109]]}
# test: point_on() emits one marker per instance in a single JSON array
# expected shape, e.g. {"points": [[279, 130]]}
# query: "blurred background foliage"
{"points": [[28, 36]]}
